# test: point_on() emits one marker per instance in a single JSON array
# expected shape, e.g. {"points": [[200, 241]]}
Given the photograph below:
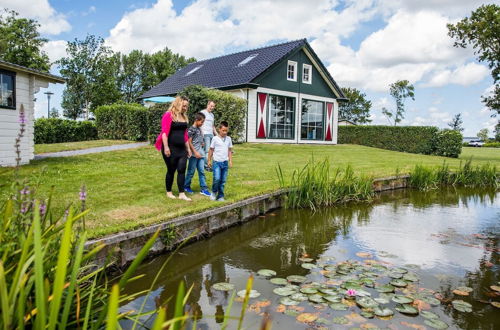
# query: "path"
{"points": [[70, 153]]}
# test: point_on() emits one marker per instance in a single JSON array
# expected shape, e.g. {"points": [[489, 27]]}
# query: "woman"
{"points": [[173, 144]]}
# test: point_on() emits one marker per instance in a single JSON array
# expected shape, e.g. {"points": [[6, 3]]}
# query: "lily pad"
{"points": [[222, 286], [399, 283], [288, 302], [429, 315], [383, 311], [407, 309], [386, 288], [436, 324], [395, 275], [306, 259], [362, 293], [307, 317], [299, 296], [495, 288], [338, 307], [462, 306], [309, 290], [400, 270], [495, 304], [400, 299], [253, 293], [465, 289], [367, 314], [284, 291], [278, 281], [366, 302], [340, 320], [308, 266], [328, 291], [322, 320], [296, 278], [381, 300], [431, 300], [333, 299], [291, 312], [266, 272], [412, 277], [316, 298]]}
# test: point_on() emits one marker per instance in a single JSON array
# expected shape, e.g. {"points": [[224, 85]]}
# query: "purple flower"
{"points": [[22, 118], [83, 195], [351, 292], [24, 208], [43, 209], [25, 191]]}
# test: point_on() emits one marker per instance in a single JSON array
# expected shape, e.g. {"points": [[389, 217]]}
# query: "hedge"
{"points": [[492, 145], [155, 113], [57, 130], [122, 121], [448, 143]]}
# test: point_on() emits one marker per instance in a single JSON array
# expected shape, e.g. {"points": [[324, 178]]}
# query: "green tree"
{"points": [[90, 70], [131, 75], [357, 109], [400, 91], [483, 134], [54, 113], [20, 42], [482, 31], [497, 132], [456, 123]]}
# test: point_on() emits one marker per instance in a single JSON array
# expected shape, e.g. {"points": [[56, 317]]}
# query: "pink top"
{"points": [[166, 122]]}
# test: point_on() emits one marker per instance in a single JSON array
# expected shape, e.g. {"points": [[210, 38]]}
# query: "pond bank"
{"points": [[121, 249]]}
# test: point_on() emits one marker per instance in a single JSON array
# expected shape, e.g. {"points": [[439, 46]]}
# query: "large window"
{"points": [[312, 120], [281, 117], [7, 89], [291, 72]]}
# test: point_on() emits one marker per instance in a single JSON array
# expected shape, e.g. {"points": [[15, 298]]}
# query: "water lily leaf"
{"points": [[322, 320], [429, 315], [465, 288], [278, 281], [340, 320], [431, 300], [338, 307], [253, 293], [307, 317], [291, 312], [364, 255], [366, 302], [296, 278], [412, 277], [400, 299], [462, 306], [400, 270], [309, 290], [299, 296], [386, 288], [328, 291], [288, 302], [222, 286], [399, 283], [407, 309], [362, 293], [356, 318], [367, 314], [495, 288], [351, 285], [383, 311], [333, 299], [496, 304], [308, 266], [436, 324], [284, 291], [381, 300], [306, 259], [316, 298], [395, 275], [266, 272], [460, 293]]}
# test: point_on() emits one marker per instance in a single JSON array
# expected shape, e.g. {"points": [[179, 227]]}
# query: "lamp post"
{"points": [[49, 93]]}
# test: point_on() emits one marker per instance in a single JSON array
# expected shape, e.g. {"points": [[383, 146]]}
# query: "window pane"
{"points": [[281, 117], [6, 90], [312, 114]]}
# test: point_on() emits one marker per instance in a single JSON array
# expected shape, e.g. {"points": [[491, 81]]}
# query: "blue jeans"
{"points": [[221, 170], [207, 138], [193, 165]]}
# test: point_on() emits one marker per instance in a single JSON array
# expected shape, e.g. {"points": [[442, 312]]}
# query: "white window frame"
{"points": [[309, 67], [294, 64]]}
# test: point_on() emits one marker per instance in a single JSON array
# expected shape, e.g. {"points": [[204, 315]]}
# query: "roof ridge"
{"points": [[251, 50]]}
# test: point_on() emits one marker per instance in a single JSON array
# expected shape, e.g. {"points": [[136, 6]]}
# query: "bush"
{"points": [[155, 113], [448, 143], [412, 139], [56, 130], [122, 121], [492, 145]]}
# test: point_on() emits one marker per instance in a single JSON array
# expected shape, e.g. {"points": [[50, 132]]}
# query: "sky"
{"points": [[365, 44]]}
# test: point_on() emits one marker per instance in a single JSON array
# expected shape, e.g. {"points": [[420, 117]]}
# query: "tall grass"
{"points": [[317, 185]]}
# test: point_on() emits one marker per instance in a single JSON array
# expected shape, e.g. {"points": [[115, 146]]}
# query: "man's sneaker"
{"points": [[221, 199], [188, 190], [212, 197], [205, 192]]}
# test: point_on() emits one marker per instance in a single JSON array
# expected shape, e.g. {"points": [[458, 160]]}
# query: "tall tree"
{"points": [[400, 91], [483, 134], [357, 109], [131, 75], [482, 31], [456, 123], [90, 72], [21, 43]]}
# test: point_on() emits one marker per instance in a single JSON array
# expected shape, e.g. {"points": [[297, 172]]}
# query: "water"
{"points": [[449, 238]]}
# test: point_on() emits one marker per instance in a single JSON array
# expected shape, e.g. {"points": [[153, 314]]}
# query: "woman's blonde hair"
{"points": [[176, 109]]}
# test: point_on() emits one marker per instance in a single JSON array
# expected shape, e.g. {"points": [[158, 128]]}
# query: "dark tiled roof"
{"points": [[224, 71]]}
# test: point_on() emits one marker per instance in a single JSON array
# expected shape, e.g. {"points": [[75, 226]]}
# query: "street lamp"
{"points": [[49, 93]]}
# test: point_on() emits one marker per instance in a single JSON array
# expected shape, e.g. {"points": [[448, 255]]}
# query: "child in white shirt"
{"points": [[221, 154]]}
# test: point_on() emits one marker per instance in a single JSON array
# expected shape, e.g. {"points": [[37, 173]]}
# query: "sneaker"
{"points": [[212, 197], [221, 199], [188, 190], [205, 192]]}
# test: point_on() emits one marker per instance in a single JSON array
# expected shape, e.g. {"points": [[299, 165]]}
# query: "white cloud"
{"points": [[464, 75], [91, 10], [51, 22], [55, 49]]}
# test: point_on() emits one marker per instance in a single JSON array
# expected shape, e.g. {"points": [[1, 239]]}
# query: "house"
{"points": [[345, 122], [291, 97], [18, 86]]}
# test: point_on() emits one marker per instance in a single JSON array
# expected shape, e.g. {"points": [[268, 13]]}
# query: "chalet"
{"points": [[291, 97], [18, 86]]}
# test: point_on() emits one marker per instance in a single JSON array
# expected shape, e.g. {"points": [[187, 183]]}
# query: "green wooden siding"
{"points": [[275, 77]]}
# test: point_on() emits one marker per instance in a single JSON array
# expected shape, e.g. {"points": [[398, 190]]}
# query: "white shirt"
{"points": [[208, 125], [221, 148]]}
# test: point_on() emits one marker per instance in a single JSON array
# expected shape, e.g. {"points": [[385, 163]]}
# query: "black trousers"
{"points": [[175, 163]]}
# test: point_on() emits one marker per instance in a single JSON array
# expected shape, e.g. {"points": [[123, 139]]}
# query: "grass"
{"points": [[125, 188], [56, 147]]}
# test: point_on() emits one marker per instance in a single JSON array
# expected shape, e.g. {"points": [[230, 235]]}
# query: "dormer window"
{"points": [[306, 73], [194, 70], [248, 59], [291, 72]]}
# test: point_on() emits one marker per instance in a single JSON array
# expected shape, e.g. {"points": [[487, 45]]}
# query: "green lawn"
{"points": [[126, 188], [55, 147]]}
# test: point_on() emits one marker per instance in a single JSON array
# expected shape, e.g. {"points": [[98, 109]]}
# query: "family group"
{"points": [[200, 147]]}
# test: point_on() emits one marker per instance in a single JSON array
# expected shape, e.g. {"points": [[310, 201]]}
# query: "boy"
{"points": [[197, 160], [221, 152]]}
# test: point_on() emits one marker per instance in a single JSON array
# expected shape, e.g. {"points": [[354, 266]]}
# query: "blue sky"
{"points": [[366, 44]]}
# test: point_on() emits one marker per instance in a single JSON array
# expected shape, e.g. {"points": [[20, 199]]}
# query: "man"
{"points": [[208, 129]]}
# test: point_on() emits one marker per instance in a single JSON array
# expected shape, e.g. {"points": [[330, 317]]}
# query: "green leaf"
{"points": [[112, 319], [40, 297]]}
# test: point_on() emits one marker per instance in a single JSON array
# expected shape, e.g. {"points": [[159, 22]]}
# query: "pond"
{"points": [[426, 245]]}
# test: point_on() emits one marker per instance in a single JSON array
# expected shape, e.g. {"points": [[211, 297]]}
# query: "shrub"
{"points": [[448, 143], [122, 121], [155, 113], [57, 130], [492, 145]]}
